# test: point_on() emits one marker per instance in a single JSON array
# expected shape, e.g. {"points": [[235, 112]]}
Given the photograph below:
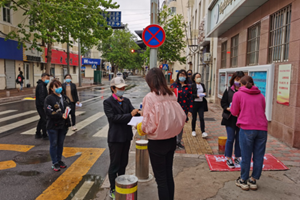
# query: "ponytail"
{"points": [[247, 81]]}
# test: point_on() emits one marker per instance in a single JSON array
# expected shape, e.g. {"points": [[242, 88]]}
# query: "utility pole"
{"points": [[153, 20], [79, 63], [68, 55]]}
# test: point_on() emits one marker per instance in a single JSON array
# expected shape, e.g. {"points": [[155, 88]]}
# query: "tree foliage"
{"points": [[117, 50], [60, 21]]}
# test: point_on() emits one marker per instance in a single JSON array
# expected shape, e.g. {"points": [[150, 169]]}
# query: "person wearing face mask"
{"points": [[184, 98], [119, 112], [190, 75], [40, 95], [70, 90], [229, 121], [199, 104], [58, 122]]}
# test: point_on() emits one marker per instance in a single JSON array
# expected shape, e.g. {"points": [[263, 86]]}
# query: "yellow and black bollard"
{"points": [[126, 187], [222, 142]]}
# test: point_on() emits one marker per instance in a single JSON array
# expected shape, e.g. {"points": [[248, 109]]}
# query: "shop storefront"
{"points": [[89, 65], [11, 63], [262, 39], [59, 65]]}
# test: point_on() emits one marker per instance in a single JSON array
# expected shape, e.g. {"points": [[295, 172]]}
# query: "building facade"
{"points": [[262, 39]]}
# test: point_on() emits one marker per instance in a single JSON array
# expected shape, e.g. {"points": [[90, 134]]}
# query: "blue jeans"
{"points": [[232, 135], [56, 138], [21, 86], [252, 141]]}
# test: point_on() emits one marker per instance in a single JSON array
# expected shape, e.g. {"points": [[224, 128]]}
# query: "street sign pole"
{"points": [[79, 63], [153, 20]]}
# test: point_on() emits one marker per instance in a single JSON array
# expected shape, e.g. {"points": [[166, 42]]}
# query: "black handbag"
{"points": [[226, 115]]}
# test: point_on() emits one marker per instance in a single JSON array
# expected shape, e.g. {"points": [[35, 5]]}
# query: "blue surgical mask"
{"points": [[120, 93], [58, 90], [46, 81], [182, 79], [68, 80]]}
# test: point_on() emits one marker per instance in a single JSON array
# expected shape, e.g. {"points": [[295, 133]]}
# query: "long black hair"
{"points": [[238, 74], [193, 78], [180, 72], [157, 82]]}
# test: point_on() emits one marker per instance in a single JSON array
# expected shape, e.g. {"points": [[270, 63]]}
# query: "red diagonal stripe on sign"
{"points": [[153, 36]]}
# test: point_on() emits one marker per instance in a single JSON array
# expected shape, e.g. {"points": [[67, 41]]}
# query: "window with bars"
{"points": [[234, 51], [173, 10], [280, 35], [6, 13], [224, 54], [253, 44]]}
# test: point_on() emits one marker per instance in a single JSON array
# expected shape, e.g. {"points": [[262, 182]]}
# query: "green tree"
{"points": [[117, 50], [175, 42], [60, 21]]}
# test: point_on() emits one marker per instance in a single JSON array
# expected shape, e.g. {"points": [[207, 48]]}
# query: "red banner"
{"points": [[218, 163], [60, 57]]}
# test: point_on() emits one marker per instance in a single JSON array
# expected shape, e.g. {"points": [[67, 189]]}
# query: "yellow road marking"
{"points": [[12, 147], [63, 186]]}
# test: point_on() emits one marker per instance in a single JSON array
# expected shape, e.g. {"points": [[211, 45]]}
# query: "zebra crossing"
{"points": [[14, 114]]}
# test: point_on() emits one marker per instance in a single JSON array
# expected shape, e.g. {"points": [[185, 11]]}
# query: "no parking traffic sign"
{"points": [[154, 36]]}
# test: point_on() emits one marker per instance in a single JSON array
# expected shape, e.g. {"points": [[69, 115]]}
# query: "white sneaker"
{"points": [[194, 133], [74, 128], [204, 135]]}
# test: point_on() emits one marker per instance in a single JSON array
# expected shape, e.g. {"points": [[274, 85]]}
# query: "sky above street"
{"points": [[135, 13]]}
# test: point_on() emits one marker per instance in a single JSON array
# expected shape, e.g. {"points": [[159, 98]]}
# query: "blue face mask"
{"points": [[58, 90], [182, 79], [68, 80], [46, 81], [120, 93]]}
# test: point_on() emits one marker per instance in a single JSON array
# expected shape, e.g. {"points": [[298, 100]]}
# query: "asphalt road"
{"points": [[25, 163]]}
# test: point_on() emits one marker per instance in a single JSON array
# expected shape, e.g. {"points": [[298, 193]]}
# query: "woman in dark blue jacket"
{"points": [[184, 98]]}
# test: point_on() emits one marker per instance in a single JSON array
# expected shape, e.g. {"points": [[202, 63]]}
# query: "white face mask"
{"points": [[198, 80]]}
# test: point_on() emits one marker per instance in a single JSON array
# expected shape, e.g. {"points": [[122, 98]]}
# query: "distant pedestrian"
{"points": [[58, 122], [20, 80], [70, 90], [40, 96], [190, 77], [163, 119], [184, 98], [230, 121], [199, 104], [250, 105], [119, 112]]}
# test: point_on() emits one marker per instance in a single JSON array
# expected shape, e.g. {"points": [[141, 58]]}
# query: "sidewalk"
{"points": [[15, 94], [194, 181]]}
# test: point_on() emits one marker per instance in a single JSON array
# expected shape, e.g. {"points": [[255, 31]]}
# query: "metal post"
{"points": [[79, 63], [142, 160], [153, 20], [68, 56], [126, 187]]}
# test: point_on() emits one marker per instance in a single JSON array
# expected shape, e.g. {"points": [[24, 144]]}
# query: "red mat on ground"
{"points": [[218, 163]]}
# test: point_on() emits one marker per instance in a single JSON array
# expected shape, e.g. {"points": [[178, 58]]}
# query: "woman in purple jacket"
{"points": [[250, 105]]}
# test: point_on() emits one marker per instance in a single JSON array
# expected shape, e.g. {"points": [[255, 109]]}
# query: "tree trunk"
{"points": [[49, 57]]}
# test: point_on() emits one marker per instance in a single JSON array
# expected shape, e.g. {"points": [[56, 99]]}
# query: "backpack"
{"points": [[19, 79]]}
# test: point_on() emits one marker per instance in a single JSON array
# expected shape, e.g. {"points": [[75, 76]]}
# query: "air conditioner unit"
{"points": [[207, 57]]}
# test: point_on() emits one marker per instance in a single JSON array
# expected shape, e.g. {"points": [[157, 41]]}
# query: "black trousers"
{"points": [[198, 107], [72, 113], [161, 154], [42, 122], [119, 152]]}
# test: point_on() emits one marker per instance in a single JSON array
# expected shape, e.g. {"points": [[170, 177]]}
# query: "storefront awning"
{"points": [[224, 14]]}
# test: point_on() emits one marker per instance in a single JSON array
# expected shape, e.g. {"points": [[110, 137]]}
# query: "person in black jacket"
{"points": [[199, 104], [190, 77], [230, 121], [58, 122], [20, 80], [119, 112], [40, 95], [70, 90]]}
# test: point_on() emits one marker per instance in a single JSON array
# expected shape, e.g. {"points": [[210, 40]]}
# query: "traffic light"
{"points": [[140, 43], [132, 51]]}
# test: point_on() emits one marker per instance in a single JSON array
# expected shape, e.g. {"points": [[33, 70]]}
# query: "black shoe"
{"points": [[242, 184], [180, 146], [112, 194], [230, 163], [38, 136], [45, 138], [252, 184], [56, 167], [62, 164], [237, 161]]}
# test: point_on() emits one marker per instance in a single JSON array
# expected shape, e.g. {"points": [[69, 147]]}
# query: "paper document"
{"points": [[135, 120], [79, 104]]}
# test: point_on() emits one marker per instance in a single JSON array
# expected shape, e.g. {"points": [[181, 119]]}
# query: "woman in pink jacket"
{"points": [[249, 105], [163, 120]]}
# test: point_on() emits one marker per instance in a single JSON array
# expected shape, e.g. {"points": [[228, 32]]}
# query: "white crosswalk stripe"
{"points": [[102, 132], [33, 130], [2, 119], [7, 111], [86, 122]]}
